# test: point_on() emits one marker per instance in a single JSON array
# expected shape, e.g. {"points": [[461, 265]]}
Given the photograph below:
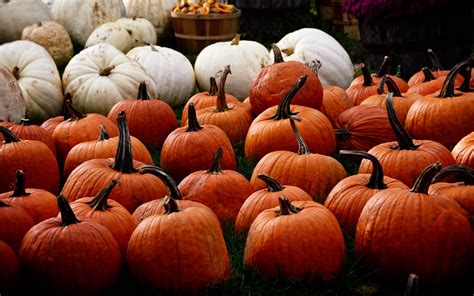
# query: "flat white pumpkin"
{"points": [[141, 30], [100, 76], [37, 76], [16, 15], [308, 44], [12, 104], [112, 34], [80, 18], [171, 71], [156, 11], [246, 59], [54, 38]]}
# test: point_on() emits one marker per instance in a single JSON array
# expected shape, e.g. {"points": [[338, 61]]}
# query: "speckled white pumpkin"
{"points": [[156, 11], [112, 34], [17, 14], [307, 44], [12, 104], [141, 30], [100, 76], [171, 70], [54, 38], [246, 59], [80, 18], [37, 76]]}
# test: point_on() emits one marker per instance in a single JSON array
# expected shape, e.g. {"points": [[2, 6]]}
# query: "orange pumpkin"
{"points": [[463, 152], [435, 71], [430, 84], [336, 100], [27, 131], [14, 223], [360, 91], [10, 271]]}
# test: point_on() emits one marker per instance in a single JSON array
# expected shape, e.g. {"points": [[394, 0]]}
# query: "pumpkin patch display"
{"points": [[14, 223], [463, 152], [273, 81], [279, 238], [245, 57], [12, 103]]}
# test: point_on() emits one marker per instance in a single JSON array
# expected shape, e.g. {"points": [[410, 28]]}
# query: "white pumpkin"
{"points": [[156, 11], [48, 3], [246, 59], [308, 44], [141, 30], [171, 71], [12, 104], [80, 18], [37, 76], [54, 38], [100, 76], [112, 34], [17, 14]]}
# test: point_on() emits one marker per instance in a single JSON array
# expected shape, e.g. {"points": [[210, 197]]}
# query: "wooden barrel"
{"points": [[406, 39], [194, 32]]}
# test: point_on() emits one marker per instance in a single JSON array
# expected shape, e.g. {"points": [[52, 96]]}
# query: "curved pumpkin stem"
{"points": [[16, 72], [103, 134], [424, 180], [25, 122], [277, 56], [123, 158], [272, 184], [67, 215], [142, 92], [286, 208], [302, 147], [368, 80], [236, 40], [221, 99], [193, 124], [284, 110], [216, 163], [213, 86], [106, 71], [376, 177], [447, 91], [405, 142], [70, 111], [19, 189], [461, 172], [8, 135], [466, 84], [391, 86], [167, 179], [412, 285], [99, 202], [434, 60], [170, 205], [384, 67], [428, 75]]}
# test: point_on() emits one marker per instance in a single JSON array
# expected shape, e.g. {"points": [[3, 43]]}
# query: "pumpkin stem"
{"points": [[40, 24], [193, 124], [213, 86], [8, 135], [25, 122], [4, 204], [284, 110], [236, 40], [405, 142], [71, 111], [412, 285], [67, 214], [167, 179], [273, 185], [221, 100], [463, 173], [368, 81], [16, 72], [384, 67], [434, 60], [391, 86], [302, 147], [342, 133], [314, 65], [447, 91], [170, 205], [123, 158], [99, 202], [142, 92], [216, 162], [106, 71], [376, 177], [466, 84], [286, 208], [428, 75], [152, 47], [19, 189], [277, 56], [424, 179], [103, 134]]}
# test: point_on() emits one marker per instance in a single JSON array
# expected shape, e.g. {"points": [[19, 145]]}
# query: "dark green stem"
{"points": [[342, 133], [142, 92], [368, 80], [215, 167], [284, 110], [70, 111], [221, 100], [67, 215], [376, 177], [103, 134], [384, 67], [272, 184], [461, 172], [167, 179], [19, 189], [213, 87], [392, 86], [466, 84], [434, 60], [278, 57], [193, 124], [424, 180], [99, 202], [447, 91], [302, 147], [286, 208], [170, 205], [8, 135], [428, 75], [405, 142], [123, 158]]}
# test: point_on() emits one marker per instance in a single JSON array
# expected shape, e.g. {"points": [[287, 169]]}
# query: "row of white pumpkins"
{"points": [[107, 71]]}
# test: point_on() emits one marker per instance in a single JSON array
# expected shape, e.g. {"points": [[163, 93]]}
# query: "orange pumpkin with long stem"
{"points": [[360, 91], [336, 101], [463, 152], [435, 71], [430, 84]]}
